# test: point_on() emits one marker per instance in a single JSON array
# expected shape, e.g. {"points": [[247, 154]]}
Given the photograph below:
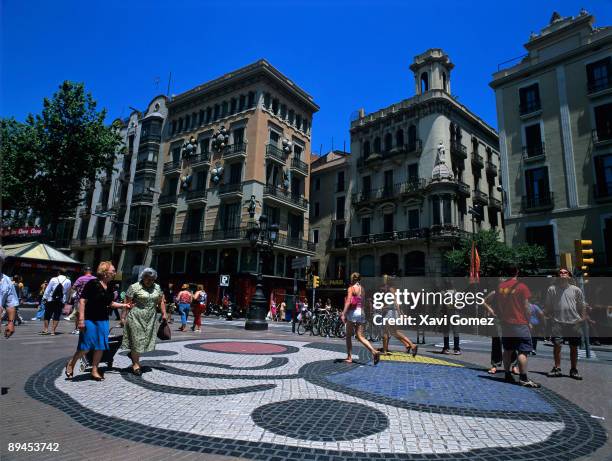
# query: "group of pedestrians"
{"points": [[194, 302]]}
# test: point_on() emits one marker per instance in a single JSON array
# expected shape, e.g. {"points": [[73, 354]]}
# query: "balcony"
{"points": [[530, 107], [463, 189], [235, 151], [146, 165], [534, 152], [363, 198], [167, 200], [362, 239], [172, 167], [495, 204], [413, 187], [491, 169], [195, 196], [298, 166], [296, 242], [599, 84], [411, 234], [275, 154], [541, 202], [603, 191], [442, 231], [340, 243], [480, 197], [384, 236], [156, 138], [202, 159], [138, 237], [601, 136], [143, 197], [458, 150], [285, 197], [477, 160], [231, 189]]}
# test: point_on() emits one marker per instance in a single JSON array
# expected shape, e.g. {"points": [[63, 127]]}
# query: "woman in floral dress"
{"points": [[139, 334]]}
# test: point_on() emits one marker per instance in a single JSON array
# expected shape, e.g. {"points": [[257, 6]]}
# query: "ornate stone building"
{"points": [[416, 169], [554, 110]]}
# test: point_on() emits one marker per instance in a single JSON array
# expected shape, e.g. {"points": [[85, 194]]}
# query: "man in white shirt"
{"points": [[56, 296], [8, 298]]}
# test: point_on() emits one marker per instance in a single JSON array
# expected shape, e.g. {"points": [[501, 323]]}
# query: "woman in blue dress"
{"points": [[96, 300]]}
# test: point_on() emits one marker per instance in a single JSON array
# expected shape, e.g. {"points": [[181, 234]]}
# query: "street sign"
{"points": [[300, 263], [224, 281]]}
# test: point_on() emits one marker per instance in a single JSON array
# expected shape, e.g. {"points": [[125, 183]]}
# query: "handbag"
{"points": [[163, 332]]}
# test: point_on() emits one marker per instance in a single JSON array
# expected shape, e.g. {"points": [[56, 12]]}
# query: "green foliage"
{"points": [[52, 159], [495, 255]]}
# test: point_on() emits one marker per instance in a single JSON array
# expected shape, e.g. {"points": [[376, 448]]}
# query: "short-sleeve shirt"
{"points": [[8, 295], [565, 303], [98, 300], [511, 296]]}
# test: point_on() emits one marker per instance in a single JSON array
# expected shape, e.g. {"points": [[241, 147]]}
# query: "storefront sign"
{"points": [[21, 232]]}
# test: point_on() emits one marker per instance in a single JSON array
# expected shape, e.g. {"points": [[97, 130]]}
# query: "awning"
{"points": [[39, 256]]}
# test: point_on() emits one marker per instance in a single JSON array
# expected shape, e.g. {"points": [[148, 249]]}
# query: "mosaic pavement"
{"points": [[281, 400]]}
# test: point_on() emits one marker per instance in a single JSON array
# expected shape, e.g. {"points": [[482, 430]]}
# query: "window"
{"points": [[273, 214], [210, 261], [317, 210], [444, 82], [238, 136], [187, 122], [529, 99], [241, 103], [201, 180], [208, 114], [424, 82], [366, 149], [388, 184], [194, 120], [251, 99], [205, 146], [180, 125], [201, 118], [235, 176], [305, 125], [603, 122], [388, 142], [131, 142], [376, 145], [283, 111], [194, 261], [298, 121], [315, 236], [365, 225], [435, 208], [340, 207], [388, 222], [603, 175], [545, 237], [140, 218], [267, 100], [339, 231], [173, 129], [217, 112], [291, 116], [172, 184], [233, 105], [413, 173], [414, 263], [412, 137], [340, 181], [176, 154], [599, 75], [275, 106], [446, 210], [296, 226], [297, 151], [413, 219], [537, 186], [399, 138], [367, 186], [224, 109], [274, 138], [194, 221], [533, 141], [229, 216]]}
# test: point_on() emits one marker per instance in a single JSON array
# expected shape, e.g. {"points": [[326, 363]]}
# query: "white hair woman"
{"points": [[144, 298]]}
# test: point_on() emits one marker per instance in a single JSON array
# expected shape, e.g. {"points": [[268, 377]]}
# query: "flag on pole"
{"points": [[474, 264]]}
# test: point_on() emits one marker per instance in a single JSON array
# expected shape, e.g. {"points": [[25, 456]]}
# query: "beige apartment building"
{"points": [[417, 167], [554, 110], [236, 144], [330, 206]]}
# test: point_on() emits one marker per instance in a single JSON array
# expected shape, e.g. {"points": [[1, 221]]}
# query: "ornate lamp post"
{"points": [[262, 237]]}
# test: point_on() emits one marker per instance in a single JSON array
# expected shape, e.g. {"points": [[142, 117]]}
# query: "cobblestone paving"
{"points": [[227, 397]]}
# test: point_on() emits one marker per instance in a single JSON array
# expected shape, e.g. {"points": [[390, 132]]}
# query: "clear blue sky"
{"points": [[345, 54]]}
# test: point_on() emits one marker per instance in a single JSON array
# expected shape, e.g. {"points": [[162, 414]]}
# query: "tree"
{"points": [[494, 254], [64, 149]]}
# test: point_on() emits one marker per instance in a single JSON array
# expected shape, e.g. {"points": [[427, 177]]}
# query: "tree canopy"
{"points": [[53, 158]]}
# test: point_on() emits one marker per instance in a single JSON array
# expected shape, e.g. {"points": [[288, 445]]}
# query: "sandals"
{"points": [[376, 358], [575, 375], [492, 370], [137, 371], [70, 374], [44, 333], [530, 384], [555, 373], [415, 350]]}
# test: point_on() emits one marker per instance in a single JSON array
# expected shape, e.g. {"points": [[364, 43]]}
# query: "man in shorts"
{"points": [[512, 297], [564, 302]]}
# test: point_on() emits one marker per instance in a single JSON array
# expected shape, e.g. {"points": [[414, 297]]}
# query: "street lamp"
{"points": [[261, 237]]}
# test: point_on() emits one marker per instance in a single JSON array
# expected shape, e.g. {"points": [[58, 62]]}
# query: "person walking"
{"points": [[143, 298], [564, 302], [200, 299], [448, 310], [170, 299], [56, 295], [8, 298], [77, 289], [354, 318], [40, 313], [184, 305], [389, 312], [512, 299], [95, 299]]}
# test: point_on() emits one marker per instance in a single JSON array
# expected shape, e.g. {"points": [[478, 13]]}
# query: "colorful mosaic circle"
{"points": [[244, 347]]}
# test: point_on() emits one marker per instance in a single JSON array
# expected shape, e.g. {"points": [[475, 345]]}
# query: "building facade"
{"points": [[235, 146], [330, 208], [554, 111], [417, 168]]}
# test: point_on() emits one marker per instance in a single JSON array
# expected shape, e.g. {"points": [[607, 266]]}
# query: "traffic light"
{"points": [[316, 281], [584, 255]]}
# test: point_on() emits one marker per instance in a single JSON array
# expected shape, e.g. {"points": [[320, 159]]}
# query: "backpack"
{"points": [[58, 292]]}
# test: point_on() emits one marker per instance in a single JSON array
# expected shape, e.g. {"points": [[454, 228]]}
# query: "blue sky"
{"points": [[345, 54]]}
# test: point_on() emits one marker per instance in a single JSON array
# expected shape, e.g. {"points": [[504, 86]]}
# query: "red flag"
{"points": [[474, 264]]}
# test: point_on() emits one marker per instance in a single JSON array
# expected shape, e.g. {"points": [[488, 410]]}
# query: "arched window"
{"points": [[412, 136], [414, 263], [424, 82], [376, 145], [388, 142], [399, 138], [366, 149], [453, 131], [444, 87], [389, 264], [366, 266]]}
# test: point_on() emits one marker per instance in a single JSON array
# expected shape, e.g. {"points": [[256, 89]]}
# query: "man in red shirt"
{"points": [[512, 300]]}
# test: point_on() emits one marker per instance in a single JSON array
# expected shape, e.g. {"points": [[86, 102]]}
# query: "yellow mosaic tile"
{"points": [[403, 357]]}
